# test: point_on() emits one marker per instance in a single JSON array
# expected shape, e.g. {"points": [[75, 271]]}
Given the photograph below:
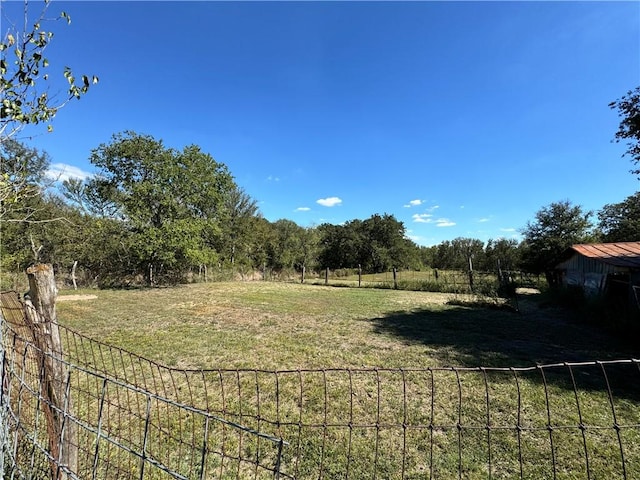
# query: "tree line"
{"points": [[154, 214]]}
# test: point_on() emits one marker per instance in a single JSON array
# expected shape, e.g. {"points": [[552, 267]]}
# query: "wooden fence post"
{"points": [[40, 315], [395, 278], [326, 276], [359, 275], [73, 274]]}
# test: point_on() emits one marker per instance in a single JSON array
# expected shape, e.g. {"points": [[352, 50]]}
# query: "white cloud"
{"points": [[62, 171], [422, 217], [444, 222], [508, 230], [272, 178], [329, 201], [413, 203], [484, 220], [302, 209]]}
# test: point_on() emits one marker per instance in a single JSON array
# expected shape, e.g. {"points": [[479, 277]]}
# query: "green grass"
{"points": [[289, 326], [379, 417]]}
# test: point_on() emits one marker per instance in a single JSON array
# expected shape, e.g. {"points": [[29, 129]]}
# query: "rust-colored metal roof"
{"points": [[621, 254]]}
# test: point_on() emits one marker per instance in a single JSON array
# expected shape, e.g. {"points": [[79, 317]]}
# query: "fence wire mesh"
{"points": [[130, 417]]}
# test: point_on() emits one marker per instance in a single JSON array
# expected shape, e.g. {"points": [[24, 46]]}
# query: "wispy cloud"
{"points": [[428, 218], [302, 209], [444, 222], [62, 171], [422, 217], [413, 203], [509, 230], [329, 201], [484, 220], [273, 178]]}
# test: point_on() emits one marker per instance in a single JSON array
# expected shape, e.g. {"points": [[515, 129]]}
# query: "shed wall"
{"points": [[592, 265]]}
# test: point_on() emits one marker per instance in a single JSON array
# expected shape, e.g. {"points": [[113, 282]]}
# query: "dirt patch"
{"points": [[527, 291], [68, 298]]}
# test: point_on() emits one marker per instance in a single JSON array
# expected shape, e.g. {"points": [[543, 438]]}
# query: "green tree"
{"points": [[24, 91], [620, 222], [172, 202], [556, 227], [309, 243], [503, 253], [384, 244], [444, 256], [25, 100], [22, 180], [467, 252], [376, 244], [261, 241], [39, 239], [340, 245], [427, 256], [287, 245], [236, 221], [629, 110]]}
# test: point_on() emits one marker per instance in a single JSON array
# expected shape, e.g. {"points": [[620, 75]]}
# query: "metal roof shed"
{"points": [[597, 267]]}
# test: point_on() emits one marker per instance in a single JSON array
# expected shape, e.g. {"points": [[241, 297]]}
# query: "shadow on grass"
{"points": [[473, 337]]}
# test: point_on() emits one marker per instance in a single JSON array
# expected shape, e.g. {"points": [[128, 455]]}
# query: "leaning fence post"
{"points": [[40, 314]]}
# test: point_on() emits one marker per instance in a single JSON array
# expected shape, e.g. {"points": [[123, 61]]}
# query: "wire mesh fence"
{"points": [[125, 416]]}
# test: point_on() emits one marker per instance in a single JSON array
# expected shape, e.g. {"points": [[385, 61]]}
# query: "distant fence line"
{"points": [[125, 417], [432, 278], [447, 281]]}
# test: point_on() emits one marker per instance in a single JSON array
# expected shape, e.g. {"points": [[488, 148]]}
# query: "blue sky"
{"points": [[459, 118]]}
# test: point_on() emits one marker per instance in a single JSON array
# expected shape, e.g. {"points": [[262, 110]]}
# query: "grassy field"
{"points": [[383, 413], [287, 326]]}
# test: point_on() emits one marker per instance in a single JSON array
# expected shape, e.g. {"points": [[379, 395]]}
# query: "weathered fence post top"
{"points": [[43, 291]]}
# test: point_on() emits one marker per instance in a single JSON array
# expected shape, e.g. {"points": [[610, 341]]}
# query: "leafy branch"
{"points": [[23, 76]]}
